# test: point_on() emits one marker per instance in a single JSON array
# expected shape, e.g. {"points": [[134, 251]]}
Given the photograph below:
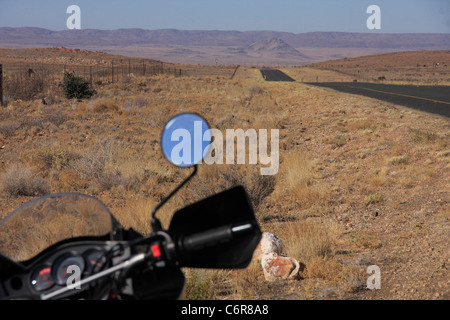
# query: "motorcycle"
{"points": [[70, 246]]}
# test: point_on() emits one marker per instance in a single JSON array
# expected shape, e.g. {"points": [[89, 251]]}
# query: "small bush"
{"points": [[423, 136], [214, 181], [8, 129], [205, 284], [339, 140], [376, 198], [76, 87], [254, 90], [25, 87], [399, 161], [55, 116], [308, 240], [20, 180], [198, 287], [93, 167], [107, 105], [47, 157]]}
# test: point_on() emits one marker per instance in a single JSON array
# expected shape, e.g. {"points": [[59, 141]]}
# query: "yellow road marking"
{"points": [[403, 95]]}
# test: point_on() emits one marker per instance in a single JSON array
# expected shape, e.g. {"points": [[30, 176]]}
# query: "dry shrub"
{"points": [[106, 180], [328, 278], [56, 157], [327, 269], [21, 180], [205, 284], [92, 167], [136, 214], [296, 181], [105, 105], [254, 90], [413, 176], [378, 176], [399, 149], [419, 136], [134, 166], [399, 160], [214, 179], [338, 140], [55, 116], [81, 108], [258, 186], [25, 86], [70, 181], [135, 103], [8, 129], [297, 169], [361, 124], [307, 240], [110, 163], [444, 214], [365, 239], [378, 181]]}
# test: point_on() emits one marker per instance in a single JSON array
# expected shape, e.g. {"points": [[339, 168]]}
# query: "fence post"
{"points": [[1, 85], [112, 71]]}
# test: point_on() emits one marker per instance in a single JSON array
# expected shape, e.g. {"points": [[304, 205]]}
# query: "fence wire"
{"points": [[31, 81]]}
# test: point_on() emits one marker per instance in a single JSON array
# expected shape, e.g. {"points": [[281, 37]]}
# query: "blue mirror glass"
{"points": [[186, 139]]}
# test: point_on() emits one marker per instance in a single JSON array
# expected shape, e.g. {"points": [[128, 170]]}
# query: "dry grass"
{"points": [[307, 240], [297, 183], [22, 180]]}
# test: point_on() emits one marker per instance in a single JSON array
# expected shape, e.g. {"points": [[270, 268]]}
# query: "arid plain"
{"points": [[361, 182]]}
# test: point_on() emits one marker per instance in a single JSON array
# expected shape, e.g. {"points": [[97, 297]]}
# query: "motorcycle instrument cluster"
{"points": [[65, 268]]}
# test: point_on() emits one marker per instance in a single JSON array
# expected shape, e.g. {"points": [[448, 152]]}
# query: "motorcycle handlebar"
{"points": [[213, 237]]}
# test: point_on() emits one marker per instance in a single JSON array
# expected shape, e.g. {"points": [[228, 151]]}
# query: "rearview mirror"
{"points": [[186, 139]]}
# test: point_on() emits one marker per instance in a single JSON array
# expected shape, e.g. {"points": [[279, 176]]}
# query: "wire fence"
{"points": [[31, 81], [93, 74]]}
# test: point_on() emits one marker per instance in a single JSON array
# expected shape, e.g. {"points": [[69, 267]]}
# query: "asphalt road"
{"points": [[433, 99], [275, 75]]}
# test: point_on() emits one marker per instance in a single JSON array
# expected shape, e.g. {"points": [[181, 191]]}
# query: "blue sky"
{"points": [[298, 16]]}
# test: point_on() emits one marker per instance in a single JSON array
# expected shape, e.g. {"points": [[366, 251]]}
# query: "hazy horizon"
{"points": [[217, 30], [293, 16]]}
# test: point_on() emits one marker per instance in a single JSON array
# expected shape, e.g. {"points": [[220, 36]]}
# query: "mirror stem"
{"points": [[156, 224]]}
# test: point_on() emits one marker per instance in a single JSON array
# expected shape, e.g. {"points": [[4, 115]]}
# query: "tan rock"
{"points": [[269, 243], [276, 267]]}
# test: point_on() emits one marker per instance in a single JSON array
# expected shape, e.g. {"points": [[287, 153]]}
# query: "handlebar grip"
{"points": [[215, 236], [208, 238]]}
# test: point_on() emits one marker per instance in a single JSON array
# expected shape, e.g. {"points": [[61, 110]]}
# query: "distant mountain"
{"points": [[28, 36], [273, 46], [193, 46]]}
